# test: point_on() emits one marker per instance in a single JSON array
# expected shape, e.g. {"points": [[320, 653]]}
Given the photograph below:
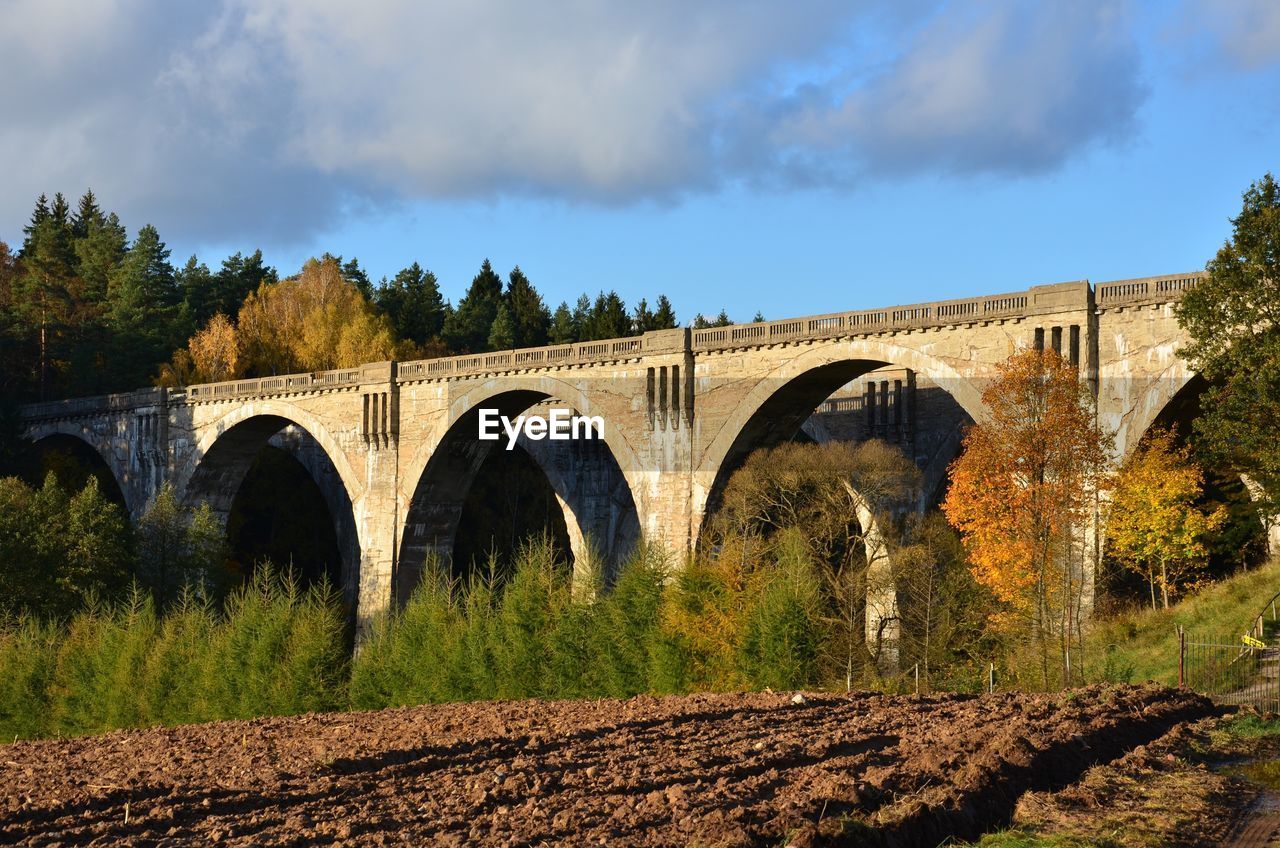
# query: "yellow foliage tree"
{"points": [[316, 321], [1155, 526], [1022, 493], [214, 351]]}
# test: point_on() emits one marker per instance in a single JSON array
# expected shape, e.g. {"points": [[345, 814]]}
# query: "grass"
{"points": [[1141, 644], [1018, 838]]}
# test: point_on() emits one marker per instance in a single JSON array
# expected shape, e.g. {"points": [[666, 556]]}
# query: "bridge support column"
{"points": [[377, 509]]}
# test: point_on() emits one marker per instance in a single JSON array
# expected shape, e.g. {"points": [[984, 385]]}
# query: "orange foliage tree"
{"points": [[1023, 495]]}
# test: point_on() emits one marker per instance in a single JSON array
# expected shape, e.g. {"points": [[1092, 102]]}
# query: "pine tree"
{"points": [[143, 303], [199, 295], [87, 214], [100, 246], [413, 304], [608, 318], [529, 314], [467, 329], [354, 274], [664, 317], [562, 329], [502, 333], [582, 318], [43, 300], [238, 277], [642, 318]]}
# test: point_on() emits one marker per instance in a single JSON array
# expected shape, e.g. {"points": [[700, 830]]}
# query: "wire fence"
{"points": [[1243, 671]]}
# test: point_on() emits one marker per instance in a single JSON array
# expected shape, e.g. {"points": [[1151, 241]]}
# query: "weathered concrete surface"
{"points": [[681, 409]]}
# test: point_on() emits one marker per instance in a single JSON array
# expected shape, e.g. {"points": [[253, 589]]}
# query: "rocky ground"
{"points": [[756, 769]]}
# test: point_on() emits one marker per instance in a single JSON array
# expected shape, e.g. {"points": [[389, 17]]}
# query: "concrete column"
{"points": [[376, 510]]}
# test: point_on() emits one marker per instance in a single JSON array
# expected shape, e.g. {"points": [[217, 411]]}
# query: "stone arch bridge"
{"points": [[394, 445]]}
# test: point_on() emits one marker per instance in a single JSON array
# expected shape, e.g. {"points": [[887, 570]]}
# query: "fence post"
{"points": [[917, 674], [1182, 657], [991, 678]]}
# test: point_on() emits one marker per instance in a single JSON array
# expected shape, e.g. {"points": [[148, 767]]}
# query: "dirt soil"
{"points": [[756, 769], [1194, 787]]}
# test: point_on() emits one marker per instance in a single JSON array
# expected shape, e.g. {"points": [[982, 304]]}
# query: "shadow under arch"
{"points": [[778, 407], [73, 460], [225, 458], [1251, 538], [589, 481]]}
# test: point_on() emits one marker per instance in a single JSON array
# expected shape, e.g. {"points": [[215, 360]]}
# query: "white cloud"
{"points": [[262, 119], [1246, 33]]}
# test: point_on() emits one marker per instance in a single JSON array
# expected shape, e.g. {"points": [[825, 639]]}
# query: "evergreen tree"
{"points": [[354, 274], [199, 295], [100, 246], [664, 317], [582, 318], [1233, 319], [609, 319], [413, 305], [87, 214], [238, 277], [143, 303], [179, 549], [43, 301], [562, 329], [502, 333], [642, 318], [529, 314], [466, 329]]}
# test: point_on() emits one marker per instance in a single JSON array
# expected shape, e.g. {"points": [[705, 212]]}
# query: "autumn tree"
{"points": [[943, 609], [842, 499], [316, 321], [1155, 525], [1023, 493]]}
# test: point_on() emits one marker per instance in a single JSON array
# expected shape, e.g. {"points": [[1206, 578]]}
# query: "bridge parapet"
{"points": [[935, 315], [1145, 290], [54, 410]]}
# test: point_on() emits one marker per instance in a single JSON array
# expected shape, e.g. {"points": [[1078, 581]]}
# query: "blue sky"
{"points": [[792, 158]]}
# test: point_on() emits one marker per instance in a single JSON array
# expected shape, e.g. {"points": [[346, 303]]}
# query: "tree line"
{"points": [[85, 310]]}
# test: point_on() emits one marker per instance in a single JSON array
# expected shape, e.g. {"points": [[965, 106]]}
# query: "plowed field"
{"points": [[755, 769]]}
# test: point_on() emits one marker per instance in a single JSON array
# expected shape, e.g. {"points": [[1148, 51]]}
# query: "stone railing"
{"points": [[862, 322], [1144, 290], [53, 410], [579, 353], [289, 383]]}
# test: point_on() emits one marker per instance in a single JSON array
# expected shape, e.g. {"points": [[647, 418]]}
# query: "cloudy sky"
{"points": [[793, 157]]}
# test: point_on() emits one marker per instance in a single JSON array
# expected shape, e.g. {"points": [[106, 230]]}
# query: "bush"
{"points": [[274, 650], [784, 635]]}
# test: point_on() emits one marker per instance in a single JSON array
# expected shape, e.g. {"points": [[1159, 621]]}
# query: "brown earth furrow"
{"points": [[739, 769]]}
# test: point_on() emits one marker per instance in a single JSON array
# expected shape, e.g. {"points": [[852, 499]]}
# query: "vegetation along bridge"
{"points": [[393, 445]]}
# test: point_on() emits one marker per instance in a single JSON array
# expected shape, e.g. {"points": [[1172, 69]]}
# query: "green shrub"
{"points": [[783, 636], [28, 655]]}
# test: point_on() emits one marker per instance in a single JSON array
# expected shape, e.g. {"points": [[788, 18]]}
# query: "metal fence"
{"points": [[1243, 671]]}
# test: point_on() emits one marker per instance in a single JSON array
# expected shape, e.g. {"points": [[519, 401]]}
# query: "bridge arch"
{"points": [[439, 476], [113, 480], [227, 449], [778, 406], [1157, 396]]}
